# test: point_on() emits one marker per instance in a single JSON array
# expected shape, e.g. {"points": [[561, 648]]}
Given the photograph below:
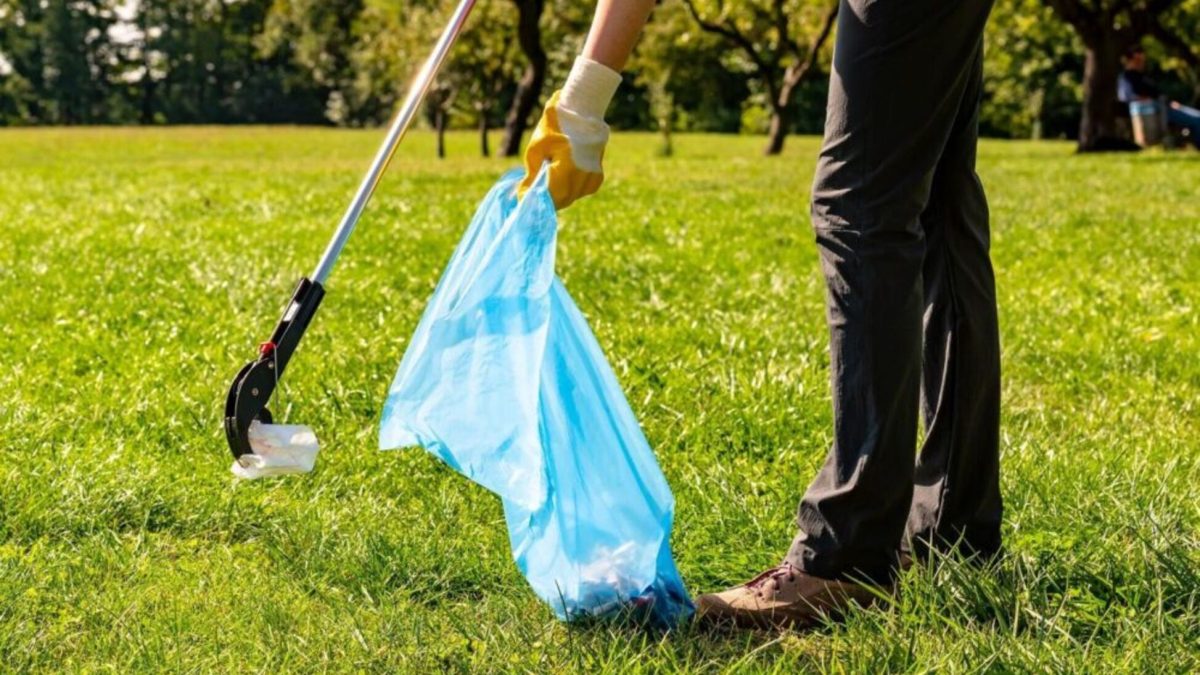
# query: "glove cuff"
{"points": [[589, 89]]}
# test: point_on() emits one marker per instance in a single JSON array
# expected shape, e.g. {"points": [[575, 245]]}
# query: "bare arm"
{"points": [[615, 30]]}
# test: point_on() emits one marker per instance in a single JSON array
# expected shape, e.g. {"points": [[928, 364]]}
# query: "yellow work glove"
{"points": [[572, 134]]}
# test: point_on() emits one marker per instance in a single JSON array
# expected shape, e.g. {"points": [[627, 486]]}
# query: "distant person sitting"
{"points": [[1133, 86]]}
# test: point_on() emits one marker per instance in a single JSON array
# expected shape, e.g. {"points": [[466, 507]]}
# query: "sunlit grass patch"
{"points": [[140, 267]]}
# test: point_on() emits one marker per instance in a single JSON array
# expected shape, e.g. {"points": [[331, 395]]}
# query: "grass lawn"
{"points": [[139, 269]]}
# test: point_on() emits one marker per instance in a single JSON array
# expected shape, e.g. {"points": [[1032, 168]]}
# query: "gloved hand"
{"points": [[572, 134]]}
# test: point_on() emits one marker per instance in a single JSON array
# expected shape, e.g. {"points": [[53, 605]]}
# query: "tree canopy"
{"points": [[713, 65]]}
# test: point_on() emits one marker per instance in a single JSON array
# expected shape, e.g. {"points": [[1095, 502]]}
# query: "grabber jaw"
{"points": [[247, 401], [255, 382]]}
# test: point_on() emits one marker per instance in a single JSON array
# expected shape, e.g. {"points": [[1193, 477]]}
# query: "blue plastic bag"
{"points": [[504, 381]]}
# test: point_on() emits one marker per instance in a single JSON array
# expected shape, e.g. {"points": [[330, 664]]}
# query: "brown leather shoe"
{"points": [[783, 597]]}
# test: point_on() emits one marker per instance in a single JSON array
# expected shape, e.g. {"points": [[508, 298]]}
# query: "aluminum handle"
{"points": [[412, 102]]}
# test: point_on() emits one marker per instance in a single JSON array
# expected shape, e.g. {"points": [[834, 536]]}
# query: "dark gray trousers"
{"points": [[901, 223]]}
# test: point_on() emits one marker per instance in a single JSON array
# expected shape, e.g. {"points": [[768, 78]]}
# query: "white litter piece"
{"points": [[279, 450]]}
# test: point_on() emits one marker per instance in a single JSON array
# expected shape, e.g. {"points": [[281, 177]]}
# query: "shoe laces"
{"points": [[784, 572]]}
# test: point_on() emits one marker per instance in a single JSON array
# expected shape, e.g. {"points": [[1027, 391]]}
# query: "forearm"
{"points": [[597, 72], [615, 30]]}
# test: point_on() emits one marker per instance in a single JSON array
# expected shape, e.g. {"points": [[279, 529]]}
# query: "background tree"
{"points": [[348, 63], [1031, 77], [683, 72], [183, 48], [529, 89], [197, 61], [395, 37], [549, 42], [61, 61], [320, 37], [782, 41], [1107, 28], [23, 91], [1178, 32], [483, 66]]}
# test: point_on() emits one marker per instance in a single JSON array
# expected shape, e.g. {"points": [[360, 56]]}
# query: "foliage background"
{"points": [[345, 63]]}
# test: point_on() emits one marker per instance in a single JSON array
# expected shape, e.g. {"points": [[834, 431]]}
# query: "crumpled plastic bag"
{"points": [[504, 381], [279, 450]]}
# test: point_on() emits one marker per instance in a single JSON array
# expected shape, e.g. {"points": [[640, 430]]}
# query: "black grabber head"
{"points": [[254, 384]]}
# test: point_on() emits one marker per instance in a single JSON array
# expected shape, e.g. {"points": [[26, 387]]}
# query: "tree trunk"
{"points": [[483, 134], [439, 121], [777, 132], [668, 147], [662, 106], [1098, 126], [148, 85], [529, 35], [781, 101]]}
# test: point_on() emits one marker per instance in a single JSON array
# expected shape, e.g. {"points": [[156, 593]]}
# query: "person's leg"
{"points": [[1187, 117], [902, 69], [957, 479]]}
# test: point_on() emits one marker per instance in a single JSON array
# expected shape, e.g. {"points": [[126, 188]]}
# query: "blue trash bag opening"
{"points": [[505, 382]]}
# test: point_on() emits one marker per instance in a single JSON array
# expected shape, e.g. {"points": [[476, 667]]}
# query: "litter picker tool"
{"points": [[259, 447]]}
